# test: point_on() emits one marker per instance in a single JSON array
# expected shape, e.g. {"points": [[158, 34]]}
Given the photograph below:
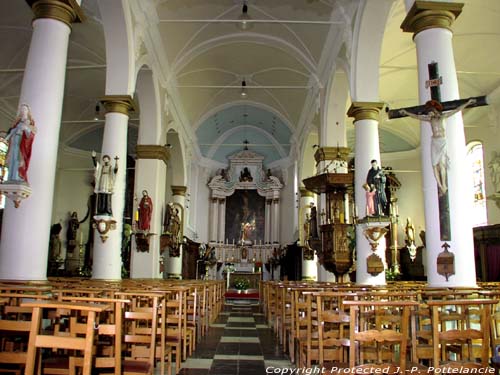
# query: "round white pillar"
{"points": [[268, 230], [222, 219], [173, 265], [107, 262], [214, 212], [434, 44], [26, 230], [367, 148], [309, 268], [150, 175], [276, 220]]}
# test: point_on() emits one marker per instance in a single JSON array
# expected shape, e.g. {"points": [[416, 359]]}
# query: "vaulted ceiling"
{"points": [[288, 52]]}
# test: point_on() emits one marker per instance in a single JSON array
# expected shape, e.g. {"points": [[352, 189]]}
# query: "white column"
{"points": [[434, 44], [107, 255], [276, 220], [25, 230], [268, 230], [222, 219], [367, 148], [214, 213], [150, 175], [174, 264]]}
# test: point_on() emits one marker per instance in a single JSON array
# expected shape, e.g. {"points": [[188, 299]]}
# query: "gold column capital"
{"points": [[179, 190], [365, 110], [305, 193], [67, 11], [425, 15], [331, 153], [118, 103], [155, 152]]}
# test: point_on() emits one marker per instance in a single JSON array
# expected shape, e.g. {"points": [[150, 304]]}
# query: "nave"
{"points": [[240, 342]]}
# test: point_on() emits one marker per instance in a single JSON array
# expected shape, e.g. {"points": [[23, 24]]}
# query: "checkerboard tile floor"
{"points": [[239, 342]]}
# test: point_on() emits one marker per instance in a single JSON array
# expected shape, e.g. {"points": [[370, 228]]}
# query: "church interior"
{"points": [[246, 186]]}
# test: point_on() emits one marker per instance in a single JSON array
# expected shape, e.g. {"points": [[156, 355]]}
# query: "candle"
{"points": [[227, 241], [81, 238], [233, 241], [136, 216]]}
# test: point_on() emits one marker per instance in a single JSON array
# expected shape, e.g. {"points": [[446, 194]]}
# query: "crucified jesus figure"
{"points": [[439, 154]]}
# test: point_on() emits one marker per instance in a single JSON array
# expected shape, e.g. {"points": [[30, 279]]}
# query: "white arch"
{"points": [[260, 39], [118, 33], [148, 92], [248, 103], [371, 20], [211, 152]]}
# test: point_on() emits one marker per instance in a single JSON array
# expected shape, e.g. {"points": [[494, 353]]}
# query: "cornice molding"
{"points": [[425, 15], [118, 103], [155, 152], [67, 11], [365, 110]]}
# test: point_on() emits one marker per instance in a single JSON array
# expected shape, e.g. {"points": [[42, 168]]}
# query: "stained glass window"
{"points": [[475, 162]]}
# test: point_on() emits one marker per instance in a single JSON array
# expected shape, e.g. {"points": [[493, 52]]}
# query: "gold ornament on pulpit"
{"points": [[373, 235]]}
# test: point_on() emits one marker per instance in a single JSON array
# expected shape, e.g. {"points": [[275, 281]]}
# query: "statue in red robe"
{"points": [[20, 138], [145, 212]]}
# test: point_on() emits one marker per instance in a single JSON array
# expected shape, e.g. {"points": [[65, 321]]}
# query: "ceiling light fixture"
{"points": [[245, 21], [243, 89]]}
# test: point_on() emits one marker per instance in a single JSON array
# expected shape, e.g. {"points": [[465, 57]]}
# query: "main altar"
{"points": [[244, 225]]}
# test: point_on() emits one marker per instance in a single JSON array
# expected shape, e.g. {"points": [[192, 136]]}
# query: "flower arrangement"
{"points": [[241, 283]]}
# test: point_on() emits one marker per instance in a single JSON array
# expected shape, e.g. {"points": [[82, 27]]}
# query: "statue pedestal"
{"points": [[16, 192]]}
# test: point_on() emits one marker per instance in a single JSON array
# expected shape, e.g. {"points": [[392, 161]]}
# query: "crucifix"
{"points": [[435, 112]]}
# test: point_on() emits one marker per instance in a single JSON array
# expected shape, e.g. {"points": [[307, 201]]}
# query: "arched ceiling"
{"points": [[201, 57], [223, 133]]}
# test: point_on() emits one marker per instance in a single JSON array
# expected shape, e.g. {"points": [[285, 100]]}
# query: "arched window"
{"points": [[475, 163]]}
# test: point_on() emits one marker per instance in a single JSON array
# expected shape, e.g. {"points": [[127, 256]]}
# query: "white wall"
{"points": [[407, 168]]}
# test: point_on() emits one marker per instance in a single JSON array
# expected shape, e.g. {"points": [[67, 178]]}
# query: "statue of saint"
{"points": [[409, 232], [72, 231], [104, 183], [245, 175], [370, 199], [494, 166], [439, 152], [376, 178], [20, 137], [145, 212], [55, 242], [313, 222]]}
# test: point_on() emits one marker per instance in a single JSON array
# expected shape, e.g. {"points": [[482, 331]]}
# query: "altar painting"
{"points": [[245, 216]]}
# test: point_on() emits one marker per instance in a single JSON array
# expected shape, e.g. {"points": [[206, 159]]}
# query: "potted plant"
{"points": [[241, 284]]}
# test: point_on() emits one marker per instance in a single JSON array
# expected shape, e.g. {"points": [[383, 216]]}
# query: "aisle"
{"points": [[238, 343]]}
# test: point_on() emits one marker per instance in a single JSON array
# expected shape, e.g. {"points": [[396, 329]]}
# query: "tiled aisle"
{"points": [[238, 343]]}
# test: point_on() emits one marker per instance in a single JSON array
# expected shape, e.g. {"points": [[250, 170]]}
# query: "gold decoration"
{"points": [[67, 11], [331, 153], [365, 110], [373, 235], [425, 15], [104, 225], [155, 152], [15, 192], [179, 190], [118, 103], [305, 193]]}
